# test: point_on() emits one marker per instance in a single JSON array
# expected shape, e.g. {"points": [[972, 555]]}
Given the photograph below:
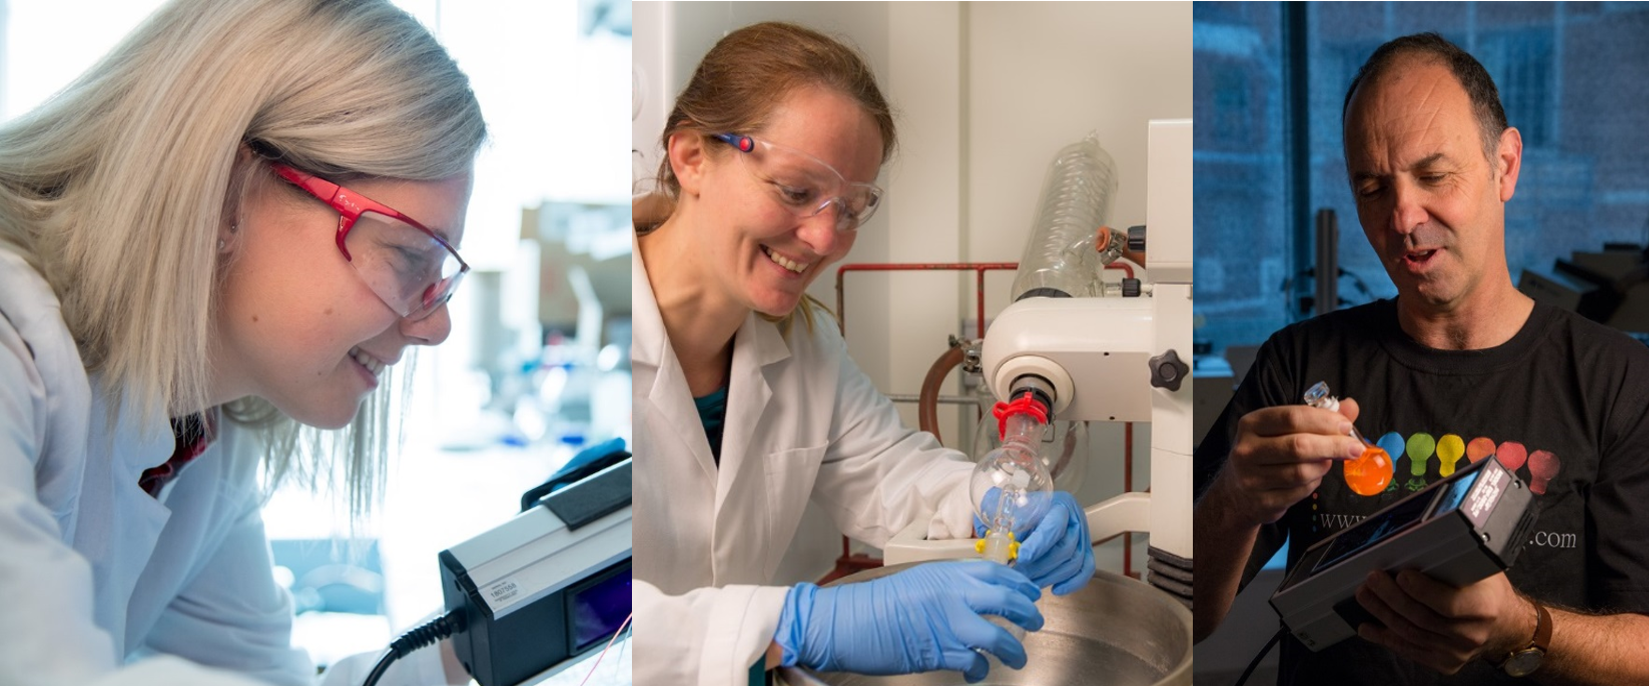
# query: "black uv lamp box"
{"points": [[1458, 531]]}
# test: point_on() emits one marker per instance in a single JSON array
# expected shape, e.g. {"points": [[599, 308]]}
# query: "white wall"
{"points": [[670, 38], [984, 94]]}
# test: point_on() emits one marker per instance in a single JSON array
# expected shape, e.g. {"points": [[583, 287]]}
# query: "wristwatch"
{"points": [[1524, 661]]}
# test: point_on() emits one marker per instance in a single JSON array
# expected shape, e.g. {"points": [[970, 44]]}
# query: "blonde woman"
{"points": [[219, 239]]}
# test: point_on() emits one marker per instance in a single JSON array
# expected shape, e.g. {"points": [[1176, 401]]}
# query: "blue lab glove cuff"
{"points": [[798, 603]]}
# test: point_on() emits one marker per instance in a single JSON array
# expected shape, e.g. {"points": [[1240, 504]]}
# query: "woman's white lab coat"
{"points": [[802, 423], [94, 572]]}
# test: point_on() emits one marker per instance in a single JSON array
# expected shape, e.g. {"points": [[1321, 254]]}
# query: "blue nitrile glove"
{"points": [[1058, 551], [922, 619]]}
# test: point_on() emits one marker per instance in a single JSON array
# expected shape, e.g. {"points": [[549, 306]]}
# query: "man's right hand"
{"points": [[1280, 456]]}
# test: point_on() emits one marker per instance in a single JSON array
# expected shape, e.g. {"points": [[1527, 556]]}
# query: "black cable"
{"points": [[430, 632], [379, 669], [1256, 662]]}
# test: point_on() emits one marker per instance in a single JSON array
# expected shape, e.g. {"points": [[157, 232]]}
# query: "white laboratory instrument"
{"points": [[549, 585], [1117, 359]]}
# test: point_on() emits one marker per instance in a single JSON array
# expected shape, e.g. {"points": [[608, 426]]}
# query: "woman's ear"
{"points": [[229, 226], [688, 159]]}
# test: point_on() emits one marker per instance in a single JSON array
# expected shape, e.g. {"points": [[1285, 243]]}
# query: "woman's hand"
{"points": [[1059, 551], [925, 618]]}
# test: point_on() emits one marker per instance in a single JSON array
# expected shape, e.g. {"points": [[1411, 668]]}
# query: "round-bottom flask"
{"points": [[1010, 490], [1371, 472]]}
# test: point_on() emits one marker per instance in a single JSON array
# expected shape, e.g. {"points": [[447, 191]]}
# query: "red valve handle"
{"points": [[1025, 404]]}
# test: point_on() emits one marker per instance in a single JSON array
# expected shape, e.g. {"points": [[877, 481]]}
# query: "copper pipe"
{"points": [[978, 267], [927, 406]]}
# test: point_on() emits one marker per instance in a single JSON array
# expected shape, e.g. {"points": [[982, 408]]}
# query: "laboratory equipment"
{"points": [[549, 585], [1369, 473], [553, 583], [1010, 488], [1082, 642], [1064, 446], [1114, 359], [1458, 530], [1062, 259]]}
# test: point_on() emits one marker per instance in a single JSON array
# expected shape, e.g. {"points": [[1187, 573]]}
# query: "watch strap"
{"points": [[1542, 627], [1535, 650]]}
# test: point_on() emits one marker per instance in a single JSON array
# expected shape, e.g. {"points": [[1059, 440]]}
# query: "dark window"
{"points": [[1573, 79]]}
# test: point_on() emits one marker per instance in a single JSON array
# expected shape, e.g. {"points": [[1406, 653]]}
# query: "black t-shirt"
{"points": [[1563, 402]]}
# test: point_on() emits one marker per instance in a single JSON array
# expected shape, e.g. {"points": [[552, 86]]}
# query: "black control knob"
{"points": [[1136, 238], [1130, 288], [1167, 371]]}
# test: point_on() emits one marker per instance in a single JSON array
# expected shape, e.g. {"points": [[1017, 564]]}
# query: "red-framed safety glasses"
{"points": [[410, 267]]}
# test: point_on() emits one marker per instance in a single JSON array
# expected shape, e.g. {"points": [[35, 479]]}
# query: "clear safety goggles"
{"points": [[410, 267], [804, 184]]}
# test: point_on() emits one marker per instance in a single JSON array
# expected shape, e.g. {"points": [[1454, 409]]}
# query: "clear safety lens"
{"points": [[808, 186], [411, 271]]}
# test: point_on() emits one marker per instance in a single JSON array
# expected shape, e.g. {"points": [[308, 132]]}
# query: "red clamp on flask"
{"points": [[1024, 404]]}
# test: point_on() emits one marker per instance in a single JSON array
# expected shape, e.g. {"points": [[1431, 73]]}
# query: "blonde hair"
{"points": [[117, 188], [747, 74]]}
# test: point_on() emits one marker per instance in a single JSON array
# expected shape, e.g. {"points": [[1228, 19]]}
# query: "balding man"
{"points": [[1459, 367]]}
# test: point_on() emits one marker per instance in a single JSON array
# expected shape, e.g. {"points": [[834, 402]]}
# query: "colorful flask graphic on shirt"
{"points": [[1450, 448], [1370, 473], [1420, 448], [1479, 448], [1543, 467], [1394, 444]]}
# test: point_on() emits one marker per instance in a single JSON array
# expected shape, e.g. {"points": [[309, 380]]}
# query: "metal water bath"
{"points": [[1114, 632]]}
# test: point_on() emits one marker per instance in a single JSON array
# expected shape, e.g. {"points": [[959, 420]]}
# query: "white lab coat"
{"points": [[95, 573], [802, 422]]}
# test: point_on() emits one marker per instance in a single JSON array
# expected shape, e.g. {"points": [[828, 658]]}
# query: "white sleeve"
{"points": [[46, 620], [233, 615], [707, 637], [879, 475]]}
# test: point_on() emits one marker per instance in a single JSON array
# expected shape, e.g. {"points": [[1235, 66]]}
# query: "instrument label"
{"points": [[502, 591], [1482, 499]]}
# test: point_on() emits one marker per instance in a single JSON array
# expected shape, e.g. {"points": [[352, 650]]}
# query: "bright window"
{"points": [[552, 78]]}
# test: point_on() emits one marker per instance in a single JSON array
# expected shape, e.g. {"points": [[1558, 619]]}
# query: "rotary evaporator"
{"points": [[1072, 347]]}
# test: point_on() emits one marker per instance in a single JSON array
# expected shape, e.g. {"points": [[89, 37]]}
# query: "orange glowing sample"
{"points": [[1371, 472]]}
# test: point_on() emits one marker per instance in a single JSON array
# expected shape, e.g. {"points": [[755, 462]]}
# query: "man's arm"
{"points": [[1223, 546], [1279, 456], [1445, 628], [1596, 649]]}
